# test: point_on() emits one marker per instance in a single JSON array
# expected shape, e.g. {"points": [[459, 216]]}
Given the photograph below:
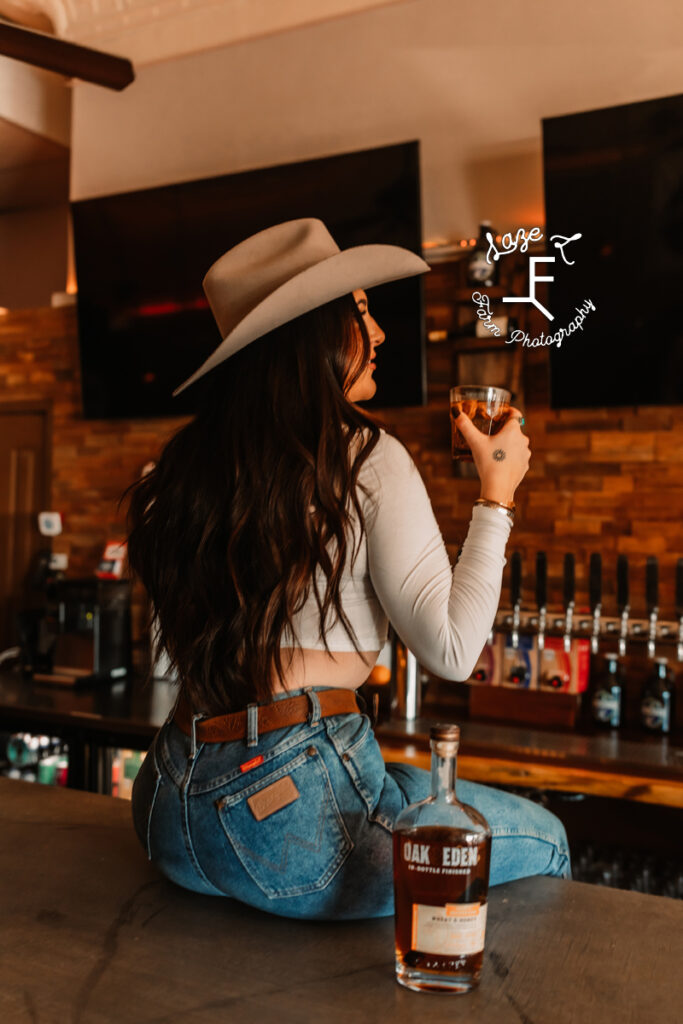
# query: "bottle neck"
{"points": [[444, 771], [613, 670]]}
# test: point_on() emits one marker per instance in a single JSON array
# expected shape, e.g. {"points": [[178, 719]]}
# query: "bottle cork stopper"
{"points": [[445, 733]]}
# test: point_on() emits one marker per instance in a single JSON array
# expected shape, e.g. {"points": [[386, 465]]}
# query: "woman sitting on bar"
{"points": [[279, 533]]}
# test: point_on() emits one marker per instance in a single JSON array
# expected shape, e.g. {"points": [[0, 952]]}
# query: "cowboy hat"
{"points": [[285, 271]]}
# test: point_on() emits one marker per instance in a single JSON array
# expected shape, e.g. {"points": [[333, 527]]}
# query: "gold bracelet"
{"points": [[506, 510]]}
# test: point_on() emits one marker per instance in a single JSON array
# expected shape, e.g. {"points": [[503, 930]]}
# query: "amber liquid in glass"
{"points": [[477, 412], [441, 891]]}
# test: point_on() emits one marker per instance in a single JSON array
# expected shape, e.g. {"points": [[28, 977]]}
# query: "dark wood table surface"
{"points": [[91, 933]]}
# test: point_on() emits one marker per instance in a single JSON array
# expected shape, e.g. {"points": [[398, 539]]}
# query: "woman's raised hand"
{"points": [[502, 459]]}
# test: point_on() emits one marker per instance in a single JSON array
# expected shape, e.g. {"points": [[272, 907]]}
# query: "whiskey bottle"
{"points": [[442, 854]]}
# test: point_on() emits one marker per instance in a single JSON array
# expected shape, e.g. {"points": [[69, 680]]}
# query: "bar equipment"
{"points": [[82, 635], [519, 668], [595, 590], [652, 597], [679, 607], [569, 592], [515, 595], [563, 644], [541, 595], [405, 681], [622, 601]]}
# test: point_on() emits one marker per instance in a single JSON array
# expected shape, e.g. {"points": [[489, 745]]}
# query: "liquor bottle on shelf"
{"points": [[35, 757], [606, 694], [657, 700], [442, 854], [481, 272], [24, 749]]}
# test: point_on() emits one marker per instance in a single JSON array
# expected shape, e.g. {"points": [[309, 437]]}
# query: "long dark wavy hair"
{"points": [[219, 532]]}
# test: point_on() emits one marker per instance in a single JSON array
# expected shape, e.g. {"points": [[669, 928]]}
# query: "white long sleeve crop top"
{"points": [[403, 575]]}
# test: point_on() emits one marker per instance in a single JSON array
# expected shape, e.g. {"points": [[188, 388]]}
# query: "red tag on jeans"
{"points": [[254, 763]]}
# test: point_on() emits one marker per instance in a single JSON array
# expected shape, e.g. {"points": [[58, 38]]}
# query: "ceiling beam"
{"points": [[70, 59]]}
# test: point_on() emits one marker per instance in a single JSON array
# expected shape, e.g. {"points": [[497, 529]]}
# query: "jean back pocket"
{"points": [[286, 827]]}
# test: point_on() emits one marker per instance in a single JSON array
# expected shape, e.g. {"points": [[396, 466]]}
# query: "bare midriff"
{"points": [[309, 667]]}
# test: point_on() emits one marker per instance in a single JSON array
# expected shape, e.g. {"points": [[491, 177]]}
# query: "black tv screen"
{"points": [[144, 322], [616, 176]]}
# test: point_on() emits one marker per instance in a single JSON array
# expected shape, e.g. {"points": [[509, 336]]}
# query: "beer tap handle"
{"points": [[679, 606], [595, 580], [569, 590], [595, 590], [541, 595], [515, 594], [622, 601], [652, 598], [679, 588]]}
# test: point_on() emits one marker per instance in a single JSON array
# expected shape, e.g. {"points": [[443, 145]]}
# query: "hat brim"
{"points": [[362, 266]]}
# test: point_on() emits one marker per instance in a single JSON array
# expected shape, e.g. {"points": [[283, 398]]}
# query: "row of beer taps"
{"points": [[571, 624]]}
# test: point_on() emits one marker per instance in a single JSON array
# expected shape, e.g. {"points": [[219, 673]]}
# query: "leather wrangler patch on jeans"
{"points": [[273, 798]]}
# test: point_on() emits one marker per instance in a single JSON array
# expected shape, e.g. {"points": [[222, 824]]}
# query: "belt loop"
{"points": [[193, 743], [314, 715], [252, 725]]}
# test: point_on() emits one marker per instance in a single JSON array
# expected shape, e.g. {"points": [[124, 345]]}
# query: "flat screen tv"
{"points": [[144, 323], [616, 176]]}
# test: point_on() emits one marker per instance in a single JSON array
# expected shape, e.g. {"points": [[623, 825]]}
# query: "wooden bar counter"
{"points": [[91, 933], [644, 769]]}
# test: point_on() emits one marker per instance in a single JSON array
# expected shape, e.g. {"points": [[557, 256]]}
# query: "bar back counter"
{"points": [[92, 933]]}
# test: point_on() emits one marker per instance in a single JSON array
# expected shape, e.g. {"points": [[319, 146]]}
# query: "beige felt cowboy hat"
{"points": [[285, 271]]}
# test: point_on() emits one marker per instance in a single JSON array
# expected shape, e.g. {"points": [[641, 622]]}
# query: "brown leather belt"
{"points": [[278, 715]]}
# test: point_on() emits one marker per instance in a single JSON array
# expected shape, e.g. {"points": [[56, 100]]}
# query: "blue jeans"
{"points": [[298, 822]]}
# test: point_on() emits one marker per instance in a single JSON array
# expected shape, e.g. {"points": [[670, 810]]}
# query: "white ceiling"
{"points": [[146, 31], [35, 104]]}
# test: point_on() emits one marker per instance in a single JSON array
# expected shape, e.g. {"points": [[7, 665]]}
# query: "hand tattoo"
{"points": [[499, 454]]}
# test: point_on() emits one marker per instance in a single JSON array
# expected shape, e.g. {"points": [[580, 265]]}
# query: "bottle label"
{"points": [[461, 857], [655, 714], [455, 929], [606, 707]]}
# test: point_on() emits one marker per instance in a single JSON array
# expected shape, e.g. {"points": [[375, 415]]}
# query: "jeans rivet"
{"points": [[311, 751], [346, 757]]}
